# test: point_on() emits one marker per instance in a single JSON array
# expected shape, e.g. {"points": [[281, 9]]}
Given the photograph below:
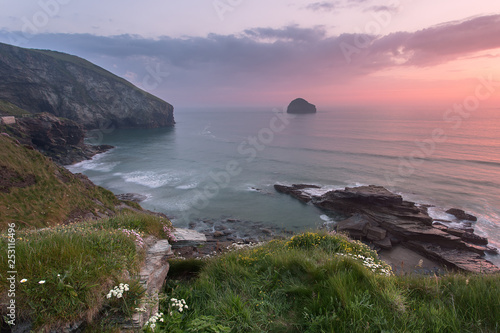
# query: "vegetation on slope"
{"points": [[65, 272], [10, 109], [34, 192], [318, 282]]}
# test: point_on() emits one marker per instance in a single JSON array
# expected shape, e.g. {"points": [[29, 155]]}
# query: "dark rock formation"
{"points": [[461, 215], [135, 197], [57, 138], [68, 86], [300, 106], [376, 215]]}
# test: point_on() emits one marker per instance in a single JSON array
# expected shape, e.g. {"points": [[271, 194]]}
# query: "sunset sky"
{"points": [[390, 53]]}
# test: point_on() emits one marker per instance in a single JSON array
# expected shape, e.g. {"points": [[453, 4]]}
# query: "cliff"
{"points": [[68, 86], [37, 193], [58, 138]]}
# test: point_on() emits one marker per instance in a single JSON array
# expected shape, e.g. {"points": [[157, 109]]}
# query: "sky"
{"points": [[357, 53]]}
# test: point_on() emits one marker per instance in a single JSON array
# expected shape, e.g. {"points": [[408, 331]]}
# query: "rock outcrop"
{"points": [[58, 138], [301, 106], [152, 277], [383, 218], [461, 215], [68, 86]]}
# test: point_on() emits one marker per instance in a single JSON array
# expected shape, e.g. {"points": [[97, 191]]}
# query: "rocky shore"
{"points": [[383, 219]]}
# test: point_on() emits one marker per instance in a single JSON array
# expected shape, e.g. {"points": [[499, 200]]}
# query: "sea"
{"points": [[222, 163]]}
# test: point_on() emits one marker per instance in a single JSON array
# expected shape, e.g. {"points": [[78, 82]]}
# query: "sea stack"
{"points": [[301, 106]]}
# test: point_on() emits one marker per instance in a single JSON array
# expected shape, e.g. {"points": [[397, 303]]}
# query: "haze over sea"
{"points": [[223, 163]]}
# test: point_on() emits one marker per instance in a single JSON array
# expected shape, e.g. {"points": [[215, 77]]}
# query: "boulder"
{"points": [[301, 106], [461, 215], [186, 237], [376, 233], [296, 191], [384, 244], [356, 226], [135, 197]]}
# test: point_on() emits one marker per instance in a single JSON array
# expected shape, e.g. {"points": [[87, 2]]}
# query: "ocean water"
{"points": [[223, 163]]}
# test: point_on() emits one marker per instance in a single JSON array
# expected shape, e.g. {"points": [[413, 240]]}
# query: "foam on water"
{"points": [[327, 219], [148, 178], [187, 186], [94, 164], [438, 213]]}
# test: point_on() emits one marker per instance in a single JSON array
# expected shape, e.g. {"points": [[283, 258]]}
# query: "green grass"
{"points": [[79, 264], [10, 109], [56, 195], [304, 285]]}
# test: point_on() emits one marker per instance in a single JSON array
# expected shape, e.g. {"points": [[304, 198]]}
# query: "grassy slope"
{"points": [[301, 285], [56, 194], [10, 109], [78, 263]]}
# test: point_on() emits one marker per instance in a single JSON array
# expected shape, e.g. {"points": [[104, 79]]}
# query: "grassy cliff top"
{"points": [[322, 282]]}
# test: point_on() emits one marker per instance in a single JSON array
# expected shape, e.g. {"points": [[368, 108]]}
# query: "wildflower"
{"points": [[23, 280], [41, 282], [118, 291], [152, 321]]}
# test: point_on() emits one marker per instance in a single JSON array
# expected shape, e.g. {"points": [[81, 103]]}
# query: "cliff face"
{"points": [[58, 138], [71, 87]]}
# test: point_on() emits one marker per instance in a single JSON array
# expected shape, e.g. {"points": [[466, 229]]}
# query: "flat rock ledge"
{"points": [[382, 218]]}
